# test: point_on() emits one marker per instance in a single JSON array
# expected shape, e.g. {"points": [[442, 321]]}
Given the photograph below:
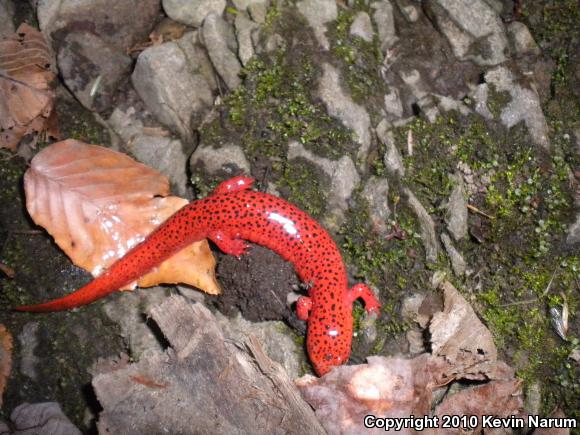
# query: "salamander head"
{"points": [[329, 337]]}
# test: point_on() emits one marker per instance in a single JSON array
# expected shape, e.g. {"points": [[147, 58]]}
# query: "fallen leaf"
{"points": [[5, 358], [498, 398], [457, 333], [98, 204], [26, 97]]}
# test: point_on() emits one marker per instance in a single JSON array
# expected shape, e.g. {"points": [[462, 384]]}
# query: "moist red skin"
{"points": [[230, 215]]}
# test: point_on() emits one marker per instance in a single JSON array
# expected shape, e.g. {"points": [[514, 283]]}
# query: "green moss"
{"points": [[362, 60], [301, 182], [496, 100], [275, 105]]}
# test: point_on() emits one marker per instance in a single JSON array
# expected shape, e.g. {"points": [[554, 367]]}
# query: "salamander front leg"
{"points": [[234, 185], [303, 307], [228, 244], [372, 305]]}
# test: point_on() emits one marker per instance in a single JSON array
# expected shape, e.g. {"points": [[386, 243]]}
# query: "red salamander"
{"points": [[234, 213]]}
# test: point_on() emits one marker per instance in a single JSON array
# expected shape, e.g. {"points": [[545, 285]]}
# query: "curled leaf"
{"points": [[26, 97], [5, 358], [98, 204]]}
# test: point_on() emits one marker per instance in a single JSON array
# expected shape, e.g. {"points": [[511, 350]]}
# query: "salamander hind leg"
{"points": [[303, 306], [235, 184], [229, 244], [372, 305]]}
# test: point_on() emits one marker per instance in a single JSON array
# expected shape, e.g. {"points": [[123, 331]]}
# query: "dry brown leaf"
{"points": [[457, 333], [26, 97], [500, 399], [5, 358], [98, 203]]}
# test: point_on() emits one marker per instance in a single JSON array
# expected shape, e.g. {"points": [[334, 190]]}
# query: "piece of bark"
{"points": [[203, 384]]}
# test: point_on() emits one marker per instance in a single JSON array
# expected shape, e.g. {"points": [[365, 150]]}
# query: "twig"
{"points": [[478, 211]]}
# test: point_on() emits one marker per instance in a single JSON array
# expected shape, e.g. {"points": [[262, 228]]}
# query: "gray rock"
{"points": [[258, 11], [428, 107], [166, 154], [318, 13], [524, 105], [393, 159], [243, 5], [456, 215], [42, 418], [121, 24], [197, 56], [129, 313], [244, 29], [28, 339], [340, 105], [227, 158], [192, 12], [92, 69], [362, 27], [376, 192], [521, 40], [393, 105], [457, 262], [221, 45], [6, 16], [479, 95], [344, 179], [409, 10], [573, 235], [426, 224], [474, 30], [412, 78], [385, 22], [446, 104], [171, 87], [271, 42]]}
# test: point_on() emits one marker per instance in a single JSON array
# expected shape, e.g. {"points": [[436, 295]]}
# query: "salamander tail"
{"points": [[85, 295]]}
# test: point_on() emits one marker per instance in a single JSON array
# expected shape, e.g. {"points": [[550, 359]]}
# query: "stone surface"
{"points": [[340, 105], [426, 225], [376, 192], [385, 22], [318, 13], [457, 262], [166, 154], [42, 418], [244, 29], [219, 39], [524, 105], [473, 29], [393, 105], [242, 5], [129, 312], [258, 11], [228, 159], [197, 56], [192, 12], [28, 340], [92, 69], [119, 23], [521, 40], [362, 27], [172, 87], [456, 214], [6, 15], [393, 159], [344, 178]]}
